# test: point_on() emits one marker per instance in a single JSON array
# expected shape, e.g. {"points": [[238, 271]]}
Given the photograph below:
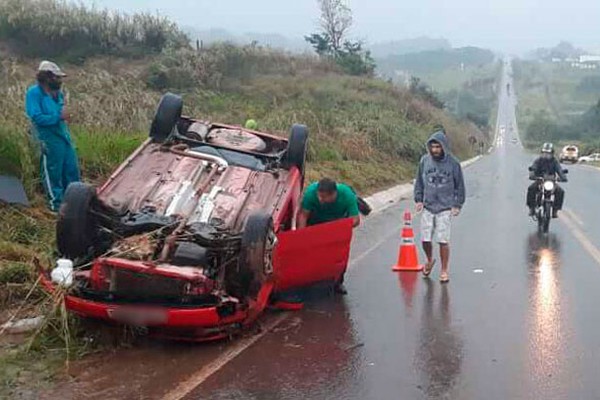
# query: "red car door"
{"points": [[313, 254]]}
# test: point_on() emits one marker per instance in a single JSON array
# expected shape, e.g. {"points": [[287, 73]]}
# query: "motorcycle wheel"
{"points": [[547, 217]]}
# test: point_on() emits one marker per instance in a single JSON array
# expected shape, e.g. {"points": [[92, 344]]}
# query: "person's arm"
{"points": [[459, 189], [307, 206], [418, 189], [302, 218], [34, 110], [559, 171], [534, 169]]}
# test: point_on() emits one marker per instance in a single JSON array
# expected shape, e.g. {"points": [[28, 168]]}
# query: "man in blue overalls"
{"points": [[44, 105]]}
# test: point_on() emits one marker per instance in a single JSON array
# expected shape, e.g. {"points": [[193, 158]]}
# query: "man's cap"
{"points": [[51, 67]]}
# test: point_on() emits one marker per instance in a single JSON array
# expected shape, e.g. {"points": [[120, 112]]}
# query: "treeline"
{"points": [[438, 60], [584, 128]]}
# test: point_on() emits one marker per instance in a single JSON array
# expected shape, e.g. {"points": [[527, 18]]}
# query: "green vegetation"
{"points": [[463, 81], [558, 103], [30, 27]]}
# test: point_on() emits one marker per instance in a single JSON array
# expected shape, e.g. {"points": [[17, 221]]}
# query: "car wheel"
{"points": [[297, 147], [76, 226], [256, 256], [166, 117]]}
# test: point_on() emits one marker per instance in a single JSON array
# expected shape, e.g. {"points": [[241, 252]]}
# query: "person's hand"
{"points": [[419, 207], [65, 115], [455, 211]]}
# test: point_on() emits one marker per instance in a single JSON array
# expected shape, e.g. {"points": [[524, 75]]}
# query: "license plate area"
{"points": [[138, 316]]}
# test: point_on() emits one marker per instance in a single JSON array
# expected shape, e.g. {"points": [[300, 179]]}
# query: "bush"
{"points": [[52, 28], [15, 272], [18, 155]]}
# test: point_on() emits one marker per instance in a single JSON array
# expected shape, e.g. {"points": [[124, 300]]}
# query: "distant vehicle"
{"points": [[591, 158], [569, 153]]}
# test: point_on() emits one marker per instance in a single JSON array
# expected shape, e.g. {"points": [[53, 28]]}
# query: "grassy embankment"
{"points": [[363, 131]]}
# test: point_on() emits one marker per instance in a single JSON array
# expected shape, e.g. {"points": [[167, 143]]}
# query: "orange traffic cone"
{"points": [[408, 259]]}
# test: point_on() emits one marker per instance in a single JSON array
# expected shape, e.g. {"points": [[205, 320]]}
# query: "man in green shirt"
{"points": [[326, 201]]}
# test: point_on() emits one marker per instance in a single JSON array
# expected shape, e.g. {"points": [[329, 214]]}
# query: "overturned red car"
{"points": [[194, 233]]}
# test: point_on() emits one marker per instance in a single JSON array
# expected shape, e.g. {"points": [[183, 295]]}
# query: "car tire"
{"points": [[76, 226], [166, 117], [297, 148], [256, 256]]}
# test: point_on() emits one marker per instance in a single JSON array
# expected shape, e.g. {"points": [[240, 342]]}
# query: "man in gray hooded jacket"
{"points": [[439, 195]]}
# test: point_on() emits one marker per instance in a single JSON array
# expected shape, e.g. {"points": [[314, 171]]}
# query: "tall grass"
{"points": [[224, 66], [54, 28]]}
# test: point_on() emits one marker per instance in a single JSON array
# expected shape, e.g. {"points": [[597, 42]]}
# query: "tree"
{"points": [[331, 42], [336, 20], [321, 43]]}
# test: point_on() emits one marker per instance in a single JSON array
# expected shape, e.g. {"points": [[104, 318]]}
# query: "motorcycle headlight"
{"points": [[549, 186]]}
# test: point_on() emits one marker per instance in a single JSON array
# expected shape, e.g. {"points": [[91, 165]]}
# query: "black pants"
{"points": [[532, 191]]}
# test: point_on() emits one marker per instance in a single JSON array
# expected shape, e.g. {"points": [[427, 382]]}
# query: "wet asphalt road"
{"points": [[517, 320]]}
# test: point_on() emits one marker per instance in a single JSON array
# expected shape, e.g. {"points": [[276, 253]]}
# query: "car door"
{"points": [[314, 254]]}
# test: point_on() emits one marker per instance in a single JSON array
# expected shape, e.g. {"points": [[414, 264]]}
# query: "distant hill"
{"points": [[299, 45], [405, 46], [273, 40], [435, 60]]}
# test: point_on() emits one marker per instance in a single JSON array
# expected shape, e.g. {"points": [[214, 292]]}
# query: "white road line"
{"points": [[574, 216], [587, 244], [190, 384], [392, 233]]}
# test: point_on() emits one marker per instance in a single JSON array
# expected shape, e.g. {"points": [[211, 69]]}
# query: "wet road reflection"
{"points": [[440, 351], [304, 359], [546, 341], [408, 284]]}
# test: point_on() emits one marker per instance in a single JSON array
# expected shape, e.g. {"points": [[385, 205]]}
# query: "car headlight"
{"points": [[549, 186]]}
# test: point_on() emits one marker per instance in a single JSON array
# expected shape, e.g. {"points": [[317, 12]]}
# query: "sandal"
{"points": [[444, 278], [428, 268]]}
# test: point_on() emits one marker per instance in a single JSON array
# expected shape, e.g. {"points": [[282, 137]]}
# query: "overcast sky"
{"points": [[505, 25]]}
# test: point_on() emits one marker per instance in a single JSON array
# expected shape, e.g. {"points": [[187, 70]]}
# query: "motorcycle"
{"points": [[545, 201]]}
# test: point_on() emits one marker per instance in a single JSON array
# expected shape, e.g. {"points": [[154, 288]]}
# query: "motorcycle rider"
{"points": [[543, 166]]}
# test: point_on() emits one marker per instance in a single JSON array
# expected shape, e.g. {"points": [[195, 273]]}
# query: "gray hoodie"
{"points": [[440, 185]]}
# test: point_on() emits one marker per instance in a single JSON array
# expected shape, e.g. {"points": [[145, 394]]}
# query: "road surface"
{"points": [[517, 320]]}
